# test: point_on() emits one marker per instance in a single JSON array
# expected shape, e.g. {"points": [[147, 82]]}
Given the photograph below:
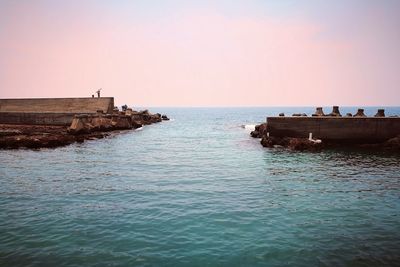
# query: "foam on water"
{"points": [[250, 127]]}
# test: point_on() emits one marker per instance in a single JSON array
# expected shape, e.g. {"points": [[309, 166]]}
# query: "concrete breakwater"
{"points": [[51, 111], [58, 105], [35, 126], [310, 133]]}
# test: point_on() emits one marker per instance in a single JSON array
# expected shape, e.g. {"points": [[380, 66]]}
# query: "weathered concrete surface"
{"points": [[50, 111], [344, 129], [58, 105], [33, 118]]}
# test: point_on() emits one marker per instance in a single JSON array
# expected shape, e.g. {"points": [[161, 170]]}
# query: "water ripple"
{"points": [[197, 191]]}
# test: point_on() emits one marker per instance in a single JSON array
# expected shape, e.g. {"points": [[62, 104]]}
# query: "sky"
{"points": [[203, 52]]}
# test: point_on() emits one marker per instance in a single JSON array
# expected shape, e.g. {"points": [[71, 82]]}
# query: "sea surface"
{"points": [[198, 191]]}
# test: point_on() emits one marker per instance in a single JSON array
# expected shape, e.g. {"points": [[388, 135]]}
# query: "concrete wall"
{"points": [[335, 129], [57, 105], [31, 118]]}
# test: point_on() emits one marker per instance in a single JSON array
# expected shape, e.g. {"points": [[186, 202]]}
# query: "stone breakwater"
{"points": [[83, 127], [321, 131]]}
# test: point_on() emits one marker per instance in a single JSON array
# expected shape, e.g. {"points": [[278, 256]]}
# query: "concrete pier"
{"points": [[338, 129]]}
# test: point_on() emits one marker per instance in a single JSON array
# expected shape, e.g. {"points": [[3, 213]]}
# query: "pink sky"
{"points": [[197, 56]]}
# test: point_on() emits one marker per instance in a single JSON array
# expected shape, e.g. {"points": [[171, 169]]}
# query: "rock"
{"points": [[164, 118], [380, 113], [282, 114], [271, 141], [121, 122], [299, 144], [128, 112], [10, 132], [79, 125], [349, 115], [255, 134], [36, 141], [303, 144], [136, 125], [360, 113], [145, 117], [296, 114], [101, 123], [259, 131], [392, 144]]}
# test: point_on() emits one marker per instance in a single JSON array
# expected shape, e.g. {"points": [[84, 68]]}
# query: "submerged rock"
{"points": [[392, 144]]}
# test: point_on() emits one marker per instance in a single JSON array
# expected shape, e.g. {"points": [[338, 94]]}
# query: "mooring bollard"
{"points": [[380, 113], [360, 113], [335, 111], [318, 112]]}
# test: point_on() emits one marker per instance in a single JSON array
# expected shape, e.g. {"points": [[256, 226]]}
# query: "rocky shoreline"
{"points": [[305, 144], [83, 127]]}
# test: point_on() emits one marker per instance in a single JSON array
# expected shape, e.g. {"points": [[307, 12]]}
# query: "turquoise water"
{"points": [[198, 191]]}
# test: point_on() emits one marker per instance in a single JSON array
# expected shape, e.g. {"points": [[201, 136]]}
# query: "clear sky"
{"points": [[203, 52]]}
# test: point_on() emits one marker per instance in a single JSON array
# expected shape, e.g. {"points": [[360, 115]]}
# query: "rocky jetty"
{"points": [[37, 136], [83, 127]]}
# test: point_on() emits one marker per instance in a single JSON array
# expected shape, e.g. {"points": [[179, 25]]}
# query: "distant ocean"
{"points": [[199, 191]]}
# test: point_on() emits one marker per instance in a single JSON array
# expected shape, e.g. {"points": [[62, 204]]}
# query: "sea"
{"points": [[199, 191]]}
